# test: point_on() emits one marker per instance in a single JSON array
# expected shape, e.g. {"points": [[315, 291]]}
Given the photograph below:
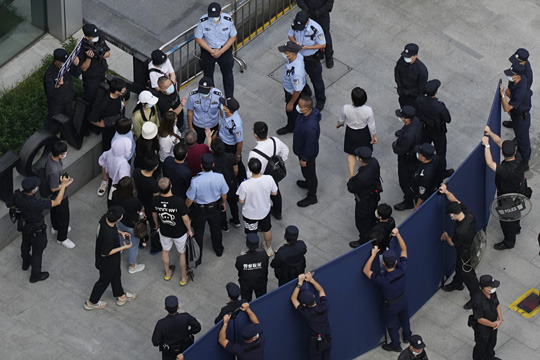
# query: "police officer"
{"points": [[294, 83], [411, 76], [434, 116], [518, 108], [487, 317], [252, 269], [310, 36], [32, 223], [392, 282], [380, 233], [231, 132], [233, 291], [521, 56], [464, 233], [319, 10], [316, 315], [289, 260], [203, 108], [174, 333], [216, 35], [59, 95], [365, 186], [427, 175], [415, 351], [404, 147], [252, 346], [508, 176]]}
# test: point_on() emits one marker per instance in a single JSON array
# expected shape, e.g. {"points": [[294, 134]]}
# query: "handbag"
{"points": [[140, 228]]}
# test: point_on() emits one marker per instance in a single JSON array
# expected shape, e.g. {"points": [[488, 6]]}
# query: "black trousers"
{"points": [[199, 217], [364, 215], [319, 352], [247, 289], [155, 243], [310, 174], [407, 100], [405, 176], [277, 203], [439, 143], [226, 63], [485, 339], [522, 124], [201, 135], [314, 70], [58, 106], [468, 278], [107, 275], [32, 247], [324, 21], [60, 219], [242, 175], [232, 201], [510, 229]]}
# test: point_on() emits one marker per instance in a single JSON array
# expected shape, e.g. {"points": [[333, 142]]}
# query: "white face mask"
{"points": [[417, 156], [96, 39], [416, 353], [63, 156], [206, 95], [407, 60], [284, 56], [492, 291], [215, 19], [376, 215], [400, 120], [510, 78], [298, 109]]}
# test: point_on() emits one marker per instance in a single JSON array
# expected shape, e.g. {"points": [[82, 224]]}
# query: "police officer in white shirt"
{"points": [[203, 108]]}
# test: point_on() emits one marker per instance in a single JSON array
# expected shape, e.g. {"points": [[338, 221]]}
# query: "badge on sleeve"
{"points": [[421, 190], [296, 81], [321, 36]]}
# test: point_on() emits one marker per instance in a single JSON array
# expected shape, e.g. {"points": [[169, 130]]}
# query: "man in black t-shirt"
{"points": [[92, 59], [464, 233], [233, 291], [170, 100], [172, 221], [107, 254], [316, 315], [177, 170]]}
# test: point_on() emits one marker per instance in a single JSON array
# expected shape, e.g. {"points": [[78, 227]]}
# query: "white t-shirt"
{"points": [[166, 144], [165, 68], [256, 194], [358, 117], [267, 147]]}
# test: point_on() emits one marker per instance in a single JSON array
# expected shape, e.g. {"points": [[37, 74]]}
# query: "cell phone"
{"points": [[127, 240], [65, 174]]}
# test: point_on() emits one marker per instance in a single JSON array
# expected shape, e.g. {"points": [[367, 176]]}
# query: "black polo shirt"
{"points": [[427, 178], [433, 114], [521, 96], [485, 308], [464, 233], [508, 175], [316, 317]]}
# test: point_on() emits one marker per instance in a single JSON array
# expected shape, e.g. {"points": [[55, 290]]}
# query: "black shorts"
{"points": [[252, 226]]}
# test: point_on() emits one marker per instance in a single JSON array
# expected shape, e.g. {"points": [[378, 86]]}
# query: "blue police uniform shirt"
{"points": [[205, 108], [294, 75], [521, 96], [230, 130], [215, 35], [393, 282], [311, 35], [207, 187]]}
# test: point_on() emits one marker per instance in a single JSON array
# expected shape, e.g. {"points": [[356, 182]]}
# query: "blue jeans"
{"points": [[133, 251]]}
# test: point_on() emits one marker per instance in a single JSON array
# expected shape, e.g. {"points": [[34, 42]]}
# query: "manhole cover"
{"points": [[527, 304]]}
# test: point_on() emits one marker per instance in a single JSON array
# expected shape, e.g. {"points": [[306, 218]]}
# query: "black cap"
{"points": [[30, 183], [508, 148], [431, 87], [389, 255], [207, 159], [406, 112], [205, 84], [290, 46], [231, 103], [252, 240], [90, 30], [214, 9], [158, 57], [171, 301], [427, 150], [291, 233], [519, 56], [488, 280], [233, 290], [410, 50], [250, 331], [306, 297], [417, 342], [363, 152], [300, 20], [60, 55], [515, 69]]}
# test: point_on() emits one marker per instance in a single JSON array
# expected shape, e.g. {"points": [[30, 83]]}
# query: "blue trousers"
{"points": [[396, 316]]}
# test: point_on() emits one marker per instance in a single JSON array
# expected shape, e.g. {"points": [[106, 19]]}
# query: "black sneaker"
{"points": [[404, 205], [283, 131], [225, 228], [390, 348], [452, 287], [310, 200], [301, 183], [25, 266], [508, 124], [320, 105], [40, 277], [448, 172], [502, 246], [468, 305], [355, 244]]}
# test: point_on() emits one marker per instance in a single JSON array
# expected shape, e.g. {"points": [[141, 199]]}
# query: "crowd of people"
{"points": [[165, 179]]}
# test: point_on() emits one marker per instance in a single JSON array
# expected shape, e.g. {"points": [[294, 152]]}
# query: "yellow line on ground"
{"points": [[280, 14]]}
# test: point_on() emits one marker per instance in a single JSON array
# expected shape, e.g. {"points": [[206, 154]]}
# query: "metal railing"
{"points": [[251, 18]]}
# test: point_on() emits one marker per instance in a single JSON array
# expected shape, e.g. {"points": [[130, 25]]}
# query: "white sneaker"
{"points": [[269, 250], [100, 305], [129, 297], [68, 244], [136, 269], [54, 231], [103, 188]]}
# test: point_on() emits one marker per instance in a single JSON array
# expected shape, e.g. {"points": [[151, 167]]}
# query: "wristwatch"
{"points": [[298, 286], [487, 146]]}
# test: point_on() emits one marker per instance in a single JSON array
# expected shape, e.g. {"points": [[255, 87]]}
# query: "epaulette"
{"points": [[217, 92], [228, 18], [194, 92], [203, 19]]}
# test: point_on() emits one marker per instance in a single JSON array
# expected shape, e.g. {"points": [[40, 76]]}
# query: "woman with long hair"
{"points": [[168, 135], [145, 110]]}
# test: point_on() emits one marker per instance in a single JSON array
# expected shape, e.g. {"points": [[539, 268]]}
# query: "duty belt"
{"points": [[391, 302], [209, 206]]}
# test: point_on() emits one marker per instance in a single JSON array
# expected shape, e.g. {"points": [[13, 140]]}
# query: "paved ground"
{"points": [[464, 44]]}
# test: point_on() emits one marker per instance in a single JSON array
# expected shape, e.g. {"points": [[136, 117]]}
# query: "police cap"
{"points": [[205, 84], [306, 297], [407, 112], [30, 183], [488, 280], [60, 55], [389, 255], [214, 9], [515, 69], [300, 20], [90, 30], [291, 233], [252, 240], [290, 46], [158, 57], [519, 56], [171, 301], [431, 87], [233, 291], [231, 103], [426, 150], [250, 331], [363, 152], [417, 342]]}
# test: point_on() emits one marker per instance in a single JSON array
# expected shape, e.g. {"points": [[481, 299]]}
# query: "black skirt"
{"points": [[356, 138]]}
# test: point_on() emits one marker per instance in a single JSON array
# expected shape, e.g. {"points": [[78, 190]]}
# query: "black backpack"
{"points": [[275, 166]]}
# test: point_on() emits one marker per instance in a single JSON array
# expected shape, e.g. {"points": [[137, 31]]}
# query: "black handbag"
{"points": [[140, 229]]}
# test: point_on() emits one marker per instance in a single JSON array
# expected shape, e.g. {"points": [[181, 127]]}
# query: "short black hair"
{"points": [[390, 263], [116, 84], [260, 129], [384, 211], [123, 125], [171, 310], [453, 208], [207, 167], [115, 213], [180, 151], [218, 146], [358, 96], [58, 148], [151, 162], [308, 99], [124, 188], [255, 165]]}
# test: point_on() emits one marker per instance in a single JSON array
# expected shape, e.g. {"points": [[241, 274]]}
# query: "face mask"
{"points": [[417, 156], [206, 95], [298, 109], [400, 120], [214, 19], [221, 107], [284, 56], [96, 39], [63, 156], [148, 106], [407, 60], [170, 89], [376, 215], [510, 78], [493, 290], [416, 353]]}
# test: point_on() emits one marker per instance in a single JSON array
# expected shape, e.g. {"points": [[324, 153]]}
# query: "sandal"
{"points": [[184, 283], [167, 278]]}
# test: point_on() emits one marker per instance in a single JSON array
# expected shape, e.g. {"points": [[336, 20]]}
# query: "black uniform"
{"points": [[109, 110], [434, 116], [485, 337], [34, 235], [385, 229], [289, 261], [427, 178], [408, 355], [365, 186], [521, 118], [404, 147], [59, 100], [248, 351], [175, 332], [411, 80], [319, 10], [508, 176], [224, 164], [229, 308], [95, 74], [252, 273], [320, 339]]}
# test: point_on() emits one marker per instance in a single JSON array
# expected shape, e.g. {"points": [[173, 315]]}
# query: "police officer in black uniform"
{"points": [[427, 175], [289, 260], [415, 351], [32, 223], [252, 346], [521, 56], [381, 232], [315, 312], [319, 10], [411, 76], [252, 269], [404, 147], [434, 116], [508, 176], [233, 291], [59, 95], [365, 186], [174, 333]]}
